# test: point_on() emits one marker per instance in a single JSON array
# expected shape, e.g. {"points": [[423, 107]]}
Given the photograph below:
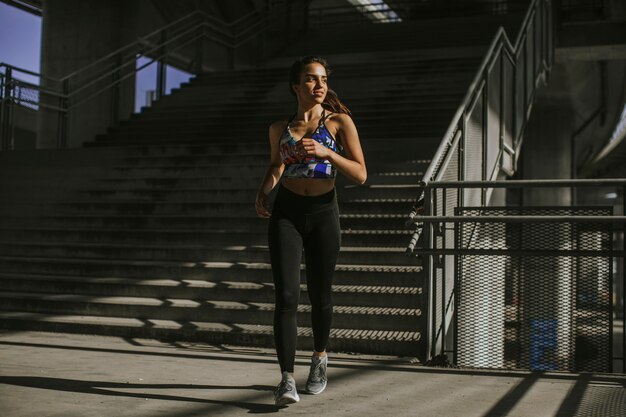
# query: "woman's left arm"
{"points": [[353, 164]]}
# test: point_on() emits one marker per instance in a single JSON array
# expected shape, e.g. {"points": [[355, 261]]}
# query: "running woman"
{"points": [[307, 151]]}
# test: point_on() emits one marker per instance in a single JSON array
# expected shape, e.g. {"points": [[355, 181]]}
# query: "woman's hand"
{"points": [[262, 205], [310, 148]]}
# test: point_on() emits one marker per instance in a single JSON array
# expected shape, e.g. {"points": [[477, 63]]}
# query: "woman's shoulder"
{"points": [[342, 119], [278, 126]]}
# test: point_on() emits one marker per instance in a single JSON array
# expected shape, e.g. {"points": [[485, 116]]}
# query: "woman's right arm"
{"points": [[273, 173]]}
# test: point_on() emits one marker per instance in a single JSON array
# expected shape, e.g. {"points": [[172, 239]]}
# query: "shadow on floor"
{"points": [[110, 389]]}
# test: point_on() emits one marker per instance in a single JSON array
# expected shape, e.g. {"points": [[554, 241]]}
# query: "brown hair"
{"points": [[331, 101]]}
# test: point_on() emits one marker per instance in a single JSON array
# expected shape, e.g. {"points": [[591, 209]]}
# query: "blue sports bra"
{"points": [[298, 166]]}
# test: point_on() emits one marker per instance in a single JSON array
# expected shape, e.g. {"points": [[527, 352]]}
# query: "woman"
{"points": [[307, 151]]}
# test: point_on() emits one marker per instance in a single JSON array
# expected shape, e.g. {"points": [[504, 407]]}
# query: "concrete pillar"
{"points": [[547, 337], [546, 149], [74, 34]]}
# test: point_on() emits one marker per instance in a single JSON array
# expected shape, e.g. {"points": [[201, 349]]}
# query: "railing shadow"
{"points": [[110, 389]]}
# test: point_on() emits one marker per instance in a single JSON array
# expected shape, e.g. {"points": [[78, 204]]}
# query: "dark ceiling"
{"points": [[227, 11]]}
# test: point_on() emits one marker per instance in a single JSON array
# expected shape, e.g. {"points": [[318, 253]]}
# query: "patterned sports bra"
{"points": [[298, 166]]}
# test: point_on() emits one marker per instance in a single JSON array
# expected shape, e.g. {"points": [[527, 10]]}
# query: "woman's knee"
{"points": [[287, 301]]}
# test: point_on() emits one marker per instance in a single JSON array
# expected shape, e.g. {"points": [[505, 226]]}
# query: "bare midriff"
{"points": [[308, 186]]}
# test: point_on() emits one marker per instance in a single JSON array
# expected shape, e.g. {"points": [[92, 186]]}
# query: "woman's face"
{"points": [[313, 84]]}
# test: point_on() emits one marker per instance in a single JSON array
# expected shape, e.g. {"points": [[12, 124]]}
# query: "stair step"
{"points": [[202, 309], [221, 194], [367, 131], [227, 236], [230, 219], [159, 238], [345, 340], [245, 207], [392, 67], [223, 271], [281, 109], [189, 253], [263, 292], [172, 181]]}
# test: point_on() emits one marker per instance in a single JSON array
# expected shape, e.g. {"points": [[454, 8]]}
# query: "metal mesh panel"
{"points": [[539, 303], [494, 110], [474, 151], [26, 96], [448, 140]]}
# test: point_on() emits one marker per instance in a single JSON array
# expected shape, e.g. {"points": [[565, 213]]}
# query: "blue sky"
{"points": [[20, 39], [20, 46]]}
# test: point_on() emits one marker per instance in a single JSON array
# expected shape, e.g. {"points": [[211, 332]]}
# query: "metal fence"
{"points": [[534, 295], [525, 287], [482, 143]]}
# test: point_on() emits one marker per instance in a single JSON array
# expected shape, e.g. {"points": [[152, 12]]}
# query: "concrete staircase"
{"points": [[150, 231]]}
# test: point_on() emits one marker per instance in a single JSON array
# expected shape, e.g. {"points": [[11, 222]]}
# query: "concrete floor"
{"points": [[64, 375]]}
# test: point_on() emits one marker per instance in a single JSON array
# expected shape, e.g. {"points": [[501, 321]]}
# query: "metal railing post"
{"points": [[161, 70], [63, 119], [14, 104], [427, 267], [115, 92], [7, 97]]}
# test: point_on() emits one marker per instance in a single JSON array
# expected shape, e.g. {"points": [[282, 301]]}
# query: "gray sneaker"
{"points": [[316, 383], [286, 392]]}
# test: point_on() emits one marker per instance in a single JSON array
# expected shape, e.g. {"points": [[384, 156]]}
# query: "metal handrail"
{"points": [[120, 79], [472, 90], [584, 182], [125, 47], [231, 44], [493, 141], [45, 90], [19, 69], [520, 219], [144, 38], [132, 62], [500, 39], [156, 48]]}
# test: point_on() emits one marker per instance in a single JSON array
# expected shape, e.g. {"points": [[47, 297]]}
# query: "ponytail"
{"points": [[331, 102]]}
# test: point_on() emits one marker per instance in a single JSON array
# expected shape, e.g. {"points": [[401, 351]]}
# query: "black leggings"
{"points": [[312, 223]]}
